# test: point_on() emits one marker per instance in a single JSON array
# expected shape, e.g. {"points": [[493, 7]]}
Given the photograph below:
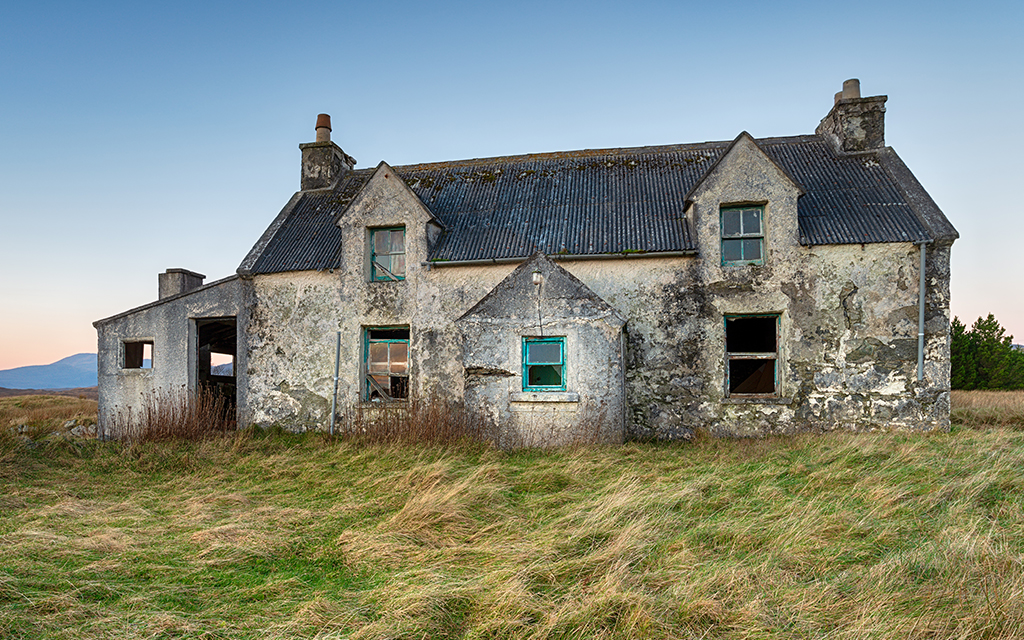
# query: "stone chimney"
{"points": [[854, 123], [175, 281], [323, 162]]}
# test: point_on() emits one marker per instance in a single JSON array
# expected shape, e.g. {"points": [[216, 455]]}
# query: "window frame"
{"points": [[560, 341], [368, 387], [731, 356], [378, 272], [141, 344], [723, 237]]}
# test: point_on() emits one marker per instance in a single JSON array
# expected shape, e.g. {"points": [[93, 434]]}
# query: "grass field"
{"points": [[277, 536]]}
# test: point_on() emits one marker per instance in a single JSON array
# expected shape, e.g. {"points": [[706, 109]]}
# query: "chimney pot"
{"points": [[851, 89], [839, 96], [323, 128]]}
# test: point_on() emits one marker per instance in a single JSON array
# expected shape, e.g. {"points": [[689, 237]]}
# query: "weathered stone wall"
{"points": [[168, 323]]}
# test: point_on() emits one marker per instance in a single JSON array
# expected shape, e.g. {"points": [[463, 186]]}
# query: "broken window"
{"points": [[138, 354], [751, 355], [387, 364], [387, 254], [742, 235], [544, 364]]}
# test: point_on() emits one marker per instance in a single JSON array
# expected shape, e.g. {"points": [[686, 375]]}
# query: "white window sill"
{"points": [[544, 396]]}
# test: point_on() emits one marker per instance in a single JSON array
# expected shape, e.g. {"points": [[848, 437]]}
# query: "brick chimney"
{"points": [[854, 123], [323, 162], [175, 281]]}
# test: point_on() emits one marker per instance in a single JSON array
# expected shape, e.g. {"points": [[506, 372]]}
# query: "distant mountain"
{"points": [[73, 371]]}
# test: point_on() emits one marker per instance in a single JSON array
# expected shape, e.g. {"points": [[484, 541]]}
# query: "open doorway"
{"points": [[217, 344]]}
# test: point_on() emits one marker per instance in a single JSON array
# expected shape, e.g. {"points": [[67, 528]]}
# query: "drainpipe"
{"points": [[337, 364], [920, 319]]}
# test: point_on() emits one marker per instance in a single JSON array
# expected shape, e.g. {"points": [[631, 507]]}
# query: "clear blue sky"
{"points": [[135, 137]]}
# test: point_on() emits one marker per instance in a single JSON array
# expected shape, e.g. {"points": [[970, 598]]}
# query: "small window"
{"points": [[751, 355], [138, 354], [543, 364], [387, 364], [742, 236], [387, 254]]}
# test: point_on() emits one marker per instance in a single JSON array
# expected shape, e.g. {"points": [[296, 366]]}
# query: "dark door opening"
{"points": [[217, 343]]}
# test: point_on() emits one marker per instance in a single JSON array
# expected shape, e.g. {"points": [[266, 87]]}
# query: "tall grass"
{"points": [[988, 408], [174, 415]]}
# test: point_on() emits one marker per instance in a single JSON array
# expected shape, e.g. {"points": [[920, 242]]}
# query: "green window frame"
{"points": [[386, 364], [387, 254], [544, 364], [742, 235], [752, 355]]}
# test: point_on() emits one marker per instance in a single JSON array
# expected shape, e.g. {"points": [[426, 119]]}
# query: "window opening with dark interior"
{"points": [[387, 254], [387, 364], [138, 354], [742, 235], [751, 346], [544, 364]]}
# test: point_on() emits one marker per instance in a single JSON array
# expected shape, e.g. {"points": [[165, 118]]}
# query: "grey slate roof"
{"points": [[606, 201]]}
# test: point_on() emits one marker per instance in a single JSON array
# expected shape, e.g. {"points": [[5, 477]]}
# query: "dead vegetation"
{"points": [[988, 408]]}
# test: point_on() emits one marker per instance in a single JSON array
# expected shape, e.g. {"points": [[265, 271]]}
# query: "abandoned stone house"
{"points": [[743, 287]]}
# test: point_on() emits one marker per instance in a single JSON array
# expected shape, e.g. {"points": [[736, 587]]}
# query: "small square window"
{"points": [[387, 253], [751, 355], [742, 235], [387, 364], [544, 364], [138, 354]]}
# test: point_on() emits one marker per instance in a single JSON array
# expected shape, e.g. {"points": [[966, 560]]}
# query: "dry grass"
{"points": [[42, 413], [988, 408], [175, 416], [270, 535]]}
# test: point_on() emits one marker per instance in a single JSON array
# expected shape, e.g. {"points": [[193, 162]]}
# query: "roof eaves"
{"points": [[914, 193], [246, 268]]}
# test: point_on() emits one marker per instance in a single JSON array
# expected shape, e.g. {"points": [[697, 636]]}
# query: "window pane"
{"points": [[751, 376], [752, 249], [544, 352], [385, 262], [752, 222], [378, 359], [545, 375], [398, 241], [380, 242], [732, 250], [399, 357], [398, 264], [751, 335], [730, 222]]}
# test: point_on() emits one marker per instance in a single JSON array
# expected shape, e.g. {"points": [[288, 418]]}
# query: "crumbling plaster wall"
{"points": [[168, 324]]}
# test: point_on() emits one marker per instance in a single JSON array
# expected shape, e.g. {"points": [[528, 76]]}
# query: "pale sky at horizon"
{"points": [[136, 138]]}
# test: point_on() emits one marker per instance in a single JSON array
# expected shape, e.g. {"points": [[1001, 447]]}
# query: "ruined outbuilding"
{"points": [[744, 287]]}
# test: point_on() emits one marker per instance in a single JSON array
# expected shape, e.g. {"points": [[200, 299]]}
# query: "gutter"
{"points": [[559, 257]]}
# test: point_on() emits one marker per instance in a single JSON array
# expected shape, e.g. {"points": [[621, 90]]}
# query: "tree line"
{"points": [[983, 357]]}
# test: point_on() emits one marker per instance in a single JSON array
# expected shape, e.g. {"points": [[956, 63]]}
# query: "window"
{"points": [[138, 354], [387, 254], [751, 355], [543, 364], [387, 364], [742, 235]]}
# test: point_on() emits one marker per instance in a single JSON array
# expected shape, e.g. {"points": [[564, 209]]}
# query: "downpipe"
{"points": [[920, 318]]}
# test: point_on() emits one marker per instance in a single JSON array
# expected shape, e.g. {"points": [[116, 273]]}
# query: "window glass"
{"points": [[544, 364], [732, 250], [751, 249], [731, 222], [742, 236], [387, 259], [751, 221]]}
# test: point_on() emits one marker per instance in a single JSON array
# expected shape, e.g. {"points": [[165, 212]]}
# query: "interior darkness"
{"points": [[751, 376], [388, 334], [217, 335], [750, 335]]}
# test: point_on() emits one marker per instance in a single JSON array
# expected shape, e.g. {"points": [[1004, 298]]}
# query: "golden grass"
{"points": [[986, 408], [42, 412]]}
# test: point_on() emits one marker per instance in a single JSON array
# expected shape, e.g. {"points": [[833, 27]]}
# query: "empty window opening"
{"points": [[387, 364], [387, 254], [751, 351], [544, 364], [742, 236], [217, 345], [138, 354]]}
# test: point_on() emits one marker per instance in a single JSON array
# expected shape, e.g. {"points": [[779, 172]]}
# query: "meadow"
{"points": [[271, 535]]}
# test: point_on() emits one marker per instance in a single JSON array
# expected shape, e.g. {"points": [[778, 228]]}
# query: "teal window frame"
{"points": [[382, 265], [369, 377], [527, 363], [739, 358], [738, 235]]}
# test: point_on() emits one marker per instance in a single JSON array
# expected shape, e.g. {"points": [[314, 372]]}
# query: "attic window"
{"points": [[751, 355], [137, 354], [742, 236], [387, 364], [387, 253]]}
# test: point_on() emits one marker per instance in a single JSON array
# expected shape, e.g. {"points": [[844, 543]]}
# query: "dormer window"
{"points": [[387, 253], [742, 236]]}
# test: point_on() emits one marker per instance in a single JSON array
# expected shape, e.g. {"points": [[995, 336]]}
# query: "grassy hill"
{"points": [[278, 536]]}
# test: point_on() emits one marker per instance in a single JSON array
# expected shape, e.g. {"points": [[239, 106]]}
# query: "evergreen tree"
{"points": [[984, 357]]}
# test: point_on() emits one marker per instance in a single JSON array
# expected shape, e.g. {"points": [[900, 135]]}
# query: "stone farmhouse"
{"points": [[743, 287]]}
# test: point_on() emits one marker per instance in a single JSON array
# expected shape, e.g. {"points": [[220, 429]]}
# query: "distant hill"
{"points": [[71, 372]]}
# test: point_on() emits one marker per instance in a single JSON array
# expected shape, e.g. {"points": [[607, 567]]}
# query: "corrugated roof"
{"points": [[599, 202]]}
